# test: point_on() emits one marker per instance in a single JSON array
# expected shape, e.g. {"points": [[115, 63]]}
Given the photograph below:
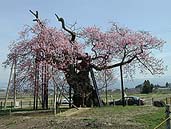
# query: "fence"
{"points": [[22, 104], [166, 121], [148, 101], [165, 101]]}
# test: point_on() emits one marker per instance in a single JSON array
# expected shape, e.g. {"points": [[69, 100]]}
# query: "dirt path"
{"points": [[73, 111]]}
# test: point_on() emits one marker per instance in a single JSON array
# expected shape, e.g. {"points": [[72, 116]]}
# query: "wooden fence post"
{"points": [[167, 116], [11, 104], [139, 102], [166, 101], [21, 104], [1, 104], [51, 102], [126, 102], [113, 102], [152, 100], [10, 112], [30, 104]]}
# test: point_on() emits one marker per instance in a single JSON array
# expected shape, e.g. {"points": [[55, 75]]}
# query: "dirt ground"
{"points": [[71, 119]]}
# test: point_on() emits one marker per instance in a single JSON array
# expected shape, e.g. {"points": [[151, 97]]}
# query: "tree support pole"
{"points": [[14, 77], [36, 85], [54, 105], [95, 86], [43, 103], [69, 96], [122, 86], [106, 87], [46, 87], [7, 92]]}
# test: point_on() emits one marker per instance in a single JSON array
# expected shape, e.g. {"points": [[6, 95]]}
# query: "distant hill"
{"points": [[2, 90], [3, 85], [135, 82]]}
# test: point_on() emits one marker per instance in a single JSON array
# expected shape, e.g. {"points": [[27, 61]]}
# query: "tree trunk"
{"points": [[84, 94]]}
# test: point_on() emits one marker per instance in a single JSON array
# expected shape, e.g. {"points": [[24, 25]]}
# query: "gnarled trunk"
{"points": [[84, 93]]}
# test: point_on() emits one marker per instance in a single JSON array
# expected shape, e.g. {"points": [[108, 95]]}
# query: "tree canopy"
{"points": [[106, 50]]}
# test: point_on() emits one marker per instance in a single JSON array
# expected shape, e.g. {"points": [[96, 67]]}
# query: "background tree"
{"points": [[105, 79], [65, 51], [147, 87], [167, 84]]}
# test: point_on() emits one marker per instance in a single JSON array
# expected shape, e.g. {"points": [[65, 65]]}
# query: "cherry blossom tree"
{"points": [[43, 50]]}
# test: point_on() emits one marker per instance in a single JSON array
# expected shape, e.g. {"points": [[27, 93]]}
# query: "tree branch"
{"points": [[35, 14], [118, 64], [37, 18], [118, 30], [144, 65], [115, 65], [63, 26]]}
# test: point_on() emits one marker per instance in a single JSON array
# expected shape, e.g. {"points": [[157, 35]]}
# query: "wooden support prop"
{"points": [[96, 88], [152, 100], [36, 85], [14, 78], [8, 87], [64, 95], [122, 86], [21, 104]]}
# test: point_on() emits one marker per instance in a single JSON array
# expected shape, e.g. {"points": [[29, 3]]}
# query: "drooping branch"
{"points": [[145, 65], [73, 35]]}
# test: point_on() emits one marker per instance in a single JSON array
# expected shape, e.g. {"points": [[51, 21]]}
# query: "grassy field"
{"points": [[108, 117], [118, 117], [157, 95]]}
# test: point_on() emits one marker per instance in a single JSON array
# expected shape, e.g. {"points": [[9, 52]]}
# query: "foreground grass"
{"points": [[146, 117], [118, 117], [151, 120]]}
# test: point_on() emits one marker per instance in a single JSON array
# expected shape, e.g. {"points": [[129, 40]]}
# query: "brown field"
{"points": [[117, 117]]}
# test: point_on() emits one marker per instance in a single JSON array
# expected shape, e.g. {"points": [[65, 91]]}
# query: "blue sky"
{"points": [[148, 15]]}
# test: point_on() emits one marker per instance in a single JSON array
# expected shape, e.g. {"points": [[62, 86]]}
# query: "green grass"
{"points": [[153, 119], [108, 117], [145, 117], [5, 112], [129, 117]]}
